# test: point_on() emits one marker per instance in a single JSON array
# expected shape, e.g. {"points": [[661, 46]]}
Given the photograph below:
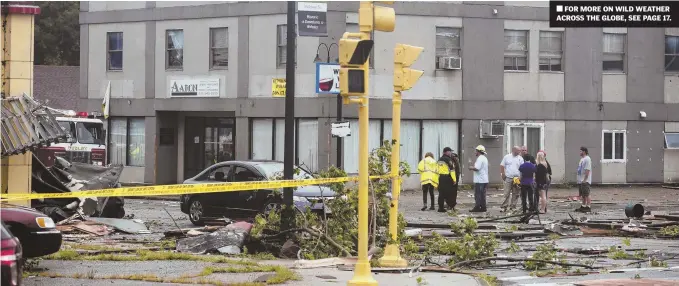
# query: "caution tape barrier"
{"points": [[183, 189]]}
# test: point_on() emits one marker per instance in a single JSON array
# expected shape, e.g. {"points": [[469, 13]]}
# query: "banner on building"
{"points": [[278, 87], [311, 19], [194, 87], [327, 78]]}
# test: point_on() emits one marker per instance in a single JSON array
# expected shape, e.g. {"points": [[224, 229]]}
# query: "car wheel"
{"points": [[196, 212], [271, 205]]}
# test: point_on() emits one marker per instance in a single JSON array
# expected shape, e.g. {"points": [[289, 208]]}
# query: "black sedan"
{"points": [[247, 204]]}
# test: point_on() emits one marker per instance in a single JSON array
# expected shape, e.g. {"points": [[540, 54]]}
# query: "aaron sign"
{"points": [[203, 87]]}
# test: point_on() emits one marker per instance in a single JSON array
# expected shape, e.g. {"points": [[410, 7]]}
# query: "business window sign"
{"points": [[311, 19], [327, 78], [199, 87]]}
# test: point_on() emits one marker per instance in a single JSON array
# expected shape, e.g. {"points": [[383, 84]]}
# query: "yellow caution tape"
{"points": [[184, 189]]}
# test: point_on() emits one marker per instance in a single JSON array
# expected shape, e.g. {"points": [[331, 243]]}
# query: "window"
{"points": [[268, 141], [307, 153], [614, 145], [353, 28], [516, 50], [115, 51], [350, 144], [530, 135], [282, 45], [614, 52], [672, 140], [410, 141], [219, 47], [127, 141], [175, 49], [672, 53], [89, 133], [551, 51], [448, 43], [219, 174], [438, 134], [69, 128]]}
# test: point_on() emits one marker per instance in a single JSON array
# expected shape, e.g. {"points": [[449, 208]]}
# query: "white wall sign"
{"points": [[340, 129], [201, 87]]}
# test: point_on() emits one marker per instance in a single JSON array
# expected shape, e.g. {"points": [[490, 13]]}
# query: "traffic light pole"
{"points": [[289, 144], [392, 255]]}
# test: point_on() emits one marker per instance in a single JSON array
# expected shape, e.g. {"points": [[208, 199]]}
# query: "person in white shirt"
{"points": [[509, 169], [585, 180], [480, 169]]}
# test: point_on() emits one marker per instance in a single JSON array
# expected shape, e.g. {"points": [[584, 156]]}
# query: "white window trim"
{"points": [[665, 138], [509, 125], [624, 146]]}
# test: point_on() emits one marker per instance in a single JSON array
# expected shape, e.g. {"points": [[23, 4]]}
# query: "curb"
{"points": [[156, 198]]}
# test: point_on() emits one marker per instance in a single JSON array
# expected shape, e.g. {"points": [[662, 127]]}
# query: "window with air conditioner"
{"points": [[530, 135], [448, 47], [614, 142]]}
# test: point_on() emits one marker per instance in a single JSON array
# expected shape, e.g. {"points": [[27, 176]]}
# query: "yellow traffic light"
{"points": [[371, 17], [404, 56], [353, 55]]}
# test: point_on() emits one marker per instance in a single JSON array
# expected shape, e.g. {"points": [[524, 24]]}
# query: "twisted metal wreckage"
{"points": [[28, 125]]}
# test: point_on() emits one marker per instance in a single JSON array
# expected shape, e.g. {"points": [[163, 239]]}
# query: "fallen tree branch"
{"points": [[511, 259], [311, 232]]}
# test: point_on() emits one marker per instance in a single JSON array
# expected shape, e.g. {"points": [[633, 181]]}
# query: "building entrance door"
{"points": [[208, 140]]}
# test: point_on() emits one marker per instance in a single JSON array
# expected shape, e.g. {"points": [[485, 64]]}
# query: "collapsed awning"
{"points": [[26, 125]]}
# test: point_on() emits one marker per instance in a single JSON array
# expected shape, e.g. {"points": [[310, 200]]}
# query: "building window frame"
{"points": [[525, 126], [552, 53], [622, 54], [672, 55], [454, 50], [671, 146], [127, 160], [516, 52], [214, 47], [614, 158], [169, 49], [116, 50], [282, 45]]}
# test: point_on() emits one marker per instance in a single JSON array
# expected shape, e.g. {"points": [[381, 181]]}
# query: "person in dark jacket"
{"points": [[446, 179], [453, 194], [527, 170]]}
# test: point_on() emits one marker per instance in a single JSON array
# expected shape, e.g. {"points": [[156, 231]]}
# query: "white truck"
{"points": [[86, 143]]}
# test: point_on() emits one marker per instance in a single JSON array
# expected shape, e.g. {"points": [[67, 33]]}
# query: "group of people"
{"points": [[522, 174]]}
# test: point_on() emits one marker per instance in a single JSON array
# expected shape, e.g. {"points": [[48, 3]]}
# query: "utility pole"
{"points": [[354, 74], [288, 217], [404, 79]]}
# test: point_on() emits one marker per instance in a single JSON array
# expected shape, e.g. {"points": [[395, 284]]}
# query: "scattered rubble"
{"points": [[228, 239]]}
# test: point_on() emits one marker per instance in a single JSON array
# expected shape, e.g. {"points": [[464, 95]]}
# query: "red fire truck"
{"points": [[86, 143]]}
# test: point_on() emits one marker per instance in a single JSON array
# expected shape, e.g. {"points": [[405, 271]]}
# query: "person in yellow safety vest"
{"points": [[447, 179], [429, 178]]}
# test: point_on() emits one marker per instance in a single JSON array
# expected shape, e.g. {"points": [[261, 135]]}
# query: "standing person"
{"points": [[480, 169], [527, 170], [585, 180], [542, 180], [453, 194], [524, 151], [509, 169], [429, 178], [446, 170]]}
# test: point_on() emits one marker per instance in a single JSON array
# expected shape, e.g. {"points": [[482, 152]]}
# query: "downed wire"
{"points": [[511, 259], [311, 232]]}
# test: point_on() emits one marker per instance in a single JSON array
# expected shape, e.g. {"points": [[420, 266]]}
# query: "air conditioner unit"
{"points": [[450, 63], [492, 128]]}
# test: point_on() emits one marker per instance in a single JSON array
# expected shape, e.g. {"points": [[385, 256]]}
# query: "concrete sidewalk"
{"points": [[324, 276]]}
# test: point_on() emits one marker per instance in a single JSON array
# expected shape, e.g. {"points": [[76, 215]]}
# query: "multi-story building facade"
{"points": [[613, 90]]}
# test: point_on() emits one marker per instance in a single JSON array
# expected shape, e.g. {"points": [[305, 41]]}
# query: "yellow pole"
{"points": [[362, 273], [16, 41], [392, 256]]}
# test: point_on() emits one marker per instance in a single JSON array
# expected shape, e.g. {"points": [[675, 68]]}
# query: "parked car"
{"points": [[36, 232], [10, 258], [247, 204]]}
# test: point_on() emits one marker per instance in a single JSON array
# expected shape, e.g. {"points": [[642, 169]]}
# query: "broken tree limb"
{"points": [[501, 218], [311, 232], [511, 259]]}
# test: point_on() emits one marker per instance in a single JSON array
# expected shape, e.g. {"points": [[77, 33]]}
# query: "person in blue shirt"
{"points": [[527, 170]]}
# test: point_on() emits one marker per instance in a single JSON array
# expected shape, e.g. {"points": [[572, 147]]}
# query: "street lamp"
{"points": [[339, 97]]}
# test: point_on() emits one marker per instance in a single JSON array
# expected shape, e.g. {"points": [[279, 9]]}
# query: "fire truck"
{"points": [[86, 142]]}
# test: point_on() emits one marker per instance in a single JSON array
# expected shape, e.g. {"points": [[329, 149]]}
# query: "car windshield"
{"points": [[69, 129], [89, 133], [275, 169]]}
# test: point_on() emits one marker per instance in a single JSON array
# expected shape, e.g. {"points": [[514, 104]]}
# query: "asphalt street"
{"points": [[608, 203]]}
